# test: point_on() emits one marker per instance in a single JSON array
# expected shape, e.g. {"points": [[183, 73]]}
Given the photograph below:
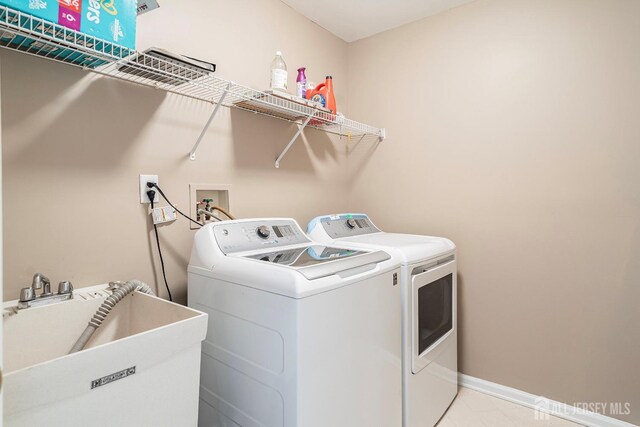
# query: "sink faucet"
{"points": [[28, 297], [40, 281]]}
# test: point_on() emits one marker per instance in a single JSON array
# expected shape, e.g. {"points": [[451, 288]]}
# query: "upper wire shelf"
{"points": [[28, 34]]}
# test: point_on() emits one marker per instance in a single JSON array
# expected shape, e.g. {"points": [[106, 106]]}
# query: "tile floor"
{"points": [[475, 409]]}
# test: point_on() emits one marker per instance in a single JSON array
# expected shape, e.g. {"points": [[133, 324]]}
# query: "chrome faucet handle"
{"points": [[65, 287], [27, 294], [41, 281]]}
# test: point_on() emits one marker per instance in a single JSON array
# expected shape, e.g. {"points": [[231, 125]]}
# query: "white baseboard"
{"points": [[541, 404]]}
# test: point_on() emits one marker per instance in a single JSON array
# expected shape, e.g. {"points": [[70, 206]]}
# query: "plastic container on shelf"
{"points": [[279, 73], [323, 94], [301, 83]]}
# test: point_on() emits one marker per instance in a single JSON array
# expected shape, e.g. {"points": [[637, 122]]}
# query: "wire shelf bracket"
{"points": [[297, 134], [192, 153]]}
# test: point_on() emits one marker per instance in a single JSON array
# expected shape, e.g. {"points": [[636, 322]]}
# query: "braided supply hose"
{"points": [[122, 290]]}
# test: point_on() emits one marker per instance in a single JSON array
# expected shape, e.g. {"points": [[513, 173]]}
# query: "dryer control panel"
{"points": [[344, 225], [251, 235]]}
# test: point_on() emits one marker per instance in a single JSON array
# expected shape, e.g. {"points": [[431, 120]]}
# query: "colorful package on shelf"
{"points": [[50, 47], [111, 20]]}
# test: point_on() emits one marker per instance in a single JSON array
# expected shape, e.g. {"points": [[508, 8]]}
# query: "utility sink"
{"points": [[140, 368]]}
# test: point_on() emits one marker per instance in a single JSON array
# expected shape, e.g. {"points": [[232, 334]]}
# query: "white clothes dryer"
{"points": [[429, 318], [300, 334]]}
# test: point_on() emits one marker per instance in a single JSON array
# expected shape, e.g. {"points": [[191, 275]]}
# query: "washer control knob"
{"points": [[263, 232], [351, 223]]}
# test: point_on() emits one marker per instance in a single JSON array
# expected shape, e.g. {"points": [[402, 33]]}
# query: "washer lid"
{"points": [[317, 261], [410, 247]]}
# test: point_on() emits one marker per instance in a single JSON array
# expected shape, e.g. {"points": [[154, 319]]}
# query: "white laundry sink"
{"points": [[141, 367]]}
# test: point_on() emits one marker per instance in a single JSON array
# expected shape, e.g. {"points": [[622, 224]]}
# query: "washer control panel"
{"points": [[347, 225], [259, 234]]}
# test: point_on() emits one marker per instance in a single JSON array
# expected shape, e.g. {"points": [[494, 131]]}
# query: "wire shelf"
{"points": [[28, 34]]}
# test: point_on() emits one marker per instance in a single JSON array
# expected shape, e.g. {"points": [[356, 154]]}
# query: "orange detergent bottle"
{"points": [[323, 94]]}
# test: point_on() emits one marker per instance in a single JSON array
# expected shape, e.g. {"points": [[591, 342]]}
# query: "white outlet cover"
{"points": [[143, 188]]}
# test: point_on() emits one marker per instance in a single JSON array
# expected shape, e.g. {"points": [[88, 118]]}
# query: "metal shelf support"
{"points": [[192, 153], [300, 129]]}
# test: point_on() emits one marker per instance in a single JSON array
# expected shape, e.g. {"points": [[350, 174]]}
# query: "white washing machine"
{"points": [[300, 334], [429, 320]]}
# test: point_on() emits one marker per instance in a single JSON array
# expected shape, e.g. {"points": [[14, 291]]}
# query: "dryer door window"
{"points": [[435, 311]]}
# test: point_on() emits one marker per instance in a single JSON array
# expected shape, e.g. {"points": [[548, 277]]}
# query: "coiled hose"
{"points": [[123, 289]]}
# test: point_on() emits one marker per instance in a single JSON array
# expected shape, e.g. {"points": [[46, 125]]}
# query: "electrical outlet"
{"points": [[143, 188]]}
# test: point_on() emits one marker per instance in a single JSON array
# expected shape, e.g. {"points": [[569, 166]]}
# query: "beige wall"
{"points": [[74, 145], [514, 129]]}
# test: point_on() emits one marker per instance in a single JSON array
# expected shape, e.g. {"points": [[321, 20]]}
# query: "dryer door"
{"points": [[433, 306]]}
